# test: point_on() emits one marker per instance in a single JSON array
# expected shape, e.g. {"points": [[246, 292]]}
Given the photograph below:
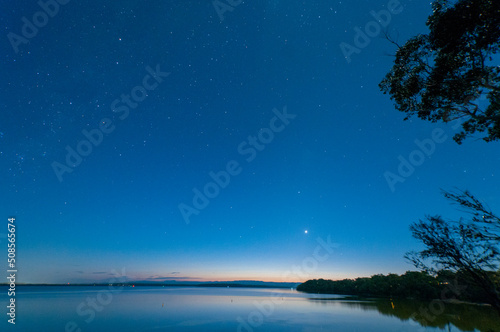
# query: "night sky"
{"points": [[152, 100]]}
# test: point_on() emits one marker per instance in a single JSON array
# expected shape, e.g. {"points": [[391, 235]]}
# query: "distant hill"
{"points": [[234, 283], [175, 283], [252, 283]]}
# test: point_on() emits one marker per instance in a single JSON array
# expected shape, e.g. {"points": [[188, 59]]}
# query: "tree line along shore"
{"points": [[445, 285]]}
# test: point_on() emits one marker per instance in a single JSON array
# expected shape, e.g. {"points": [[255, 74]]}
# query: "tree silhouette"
{"points": [[452, 73], [469, 247]]}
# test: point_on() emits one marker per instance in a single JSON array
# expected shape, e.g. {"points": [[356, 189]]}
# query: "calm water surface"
{"points": [[229, 309]]}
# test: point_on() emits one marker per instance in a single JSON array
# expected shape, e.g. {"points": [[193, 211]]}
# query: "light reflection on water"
{"points": [[224, 309]]}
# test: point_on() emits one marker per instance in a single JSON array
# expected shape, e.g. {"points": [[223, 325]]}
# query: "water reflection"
{"points": [[190, 309], [464, 317]]}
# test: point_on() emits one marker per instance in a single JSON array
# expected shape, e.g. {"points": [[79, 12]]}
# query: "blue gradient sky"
{"points": [[324, 172]]}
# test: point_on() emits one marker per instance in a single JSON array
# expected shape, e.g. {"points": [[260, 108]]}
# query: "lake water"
{"points": [[75, 308]]}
